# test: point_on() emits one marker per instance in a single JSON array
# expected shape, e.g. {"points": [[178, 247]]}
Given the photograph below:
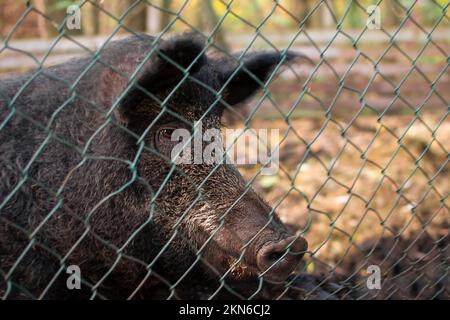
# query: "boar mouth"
{"points": [[274, 262], [277, 260]]}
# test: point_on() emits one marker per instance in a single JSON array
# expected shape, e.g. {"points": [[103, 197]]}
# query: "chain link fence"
{"points": [[93, 205]]}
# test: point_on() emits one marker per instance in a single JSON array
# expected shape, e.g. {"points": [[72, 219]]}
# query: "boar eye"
{"points": [[163, 138], [165, 134]]}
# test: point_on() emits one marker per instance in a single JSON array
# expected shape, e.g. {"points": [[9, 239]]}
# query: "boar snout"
{"points": [[253, 231], [277, 260]]}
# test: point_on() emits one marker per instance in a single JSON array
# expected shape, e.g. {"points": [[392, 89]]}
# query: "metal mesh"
{"points": [[363, 171]]}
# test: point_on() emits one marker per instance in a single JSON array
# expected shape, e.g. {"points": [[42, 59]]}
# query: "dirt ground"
{"points": [[366, 192]]}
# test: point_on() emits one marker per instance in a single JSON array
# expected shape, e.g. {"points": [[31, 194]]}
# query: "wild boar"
{"points": [[87, 177]]}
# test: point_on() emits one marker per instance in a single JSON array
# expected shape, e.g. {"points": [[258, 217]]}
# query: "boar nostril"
{"points": [[275, 256], [275, 262]]}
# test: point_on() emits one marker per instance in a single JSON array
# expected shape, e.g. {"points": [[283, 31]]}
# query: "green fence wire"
{"points": [[398, 221]]}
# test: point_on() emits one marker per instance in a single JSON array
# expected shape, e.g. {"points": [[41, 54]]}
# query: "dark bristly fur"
{"points": [[70, 194]]}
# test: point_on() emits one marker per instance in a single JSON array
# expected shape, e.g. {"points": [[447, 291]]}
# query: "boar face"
{"points": [[215, 214]]}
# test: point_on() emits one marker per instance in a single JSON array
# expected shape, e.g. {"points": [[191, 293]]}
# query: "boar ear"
{"points": [[243, 80], [164, 70], [172, 59]]}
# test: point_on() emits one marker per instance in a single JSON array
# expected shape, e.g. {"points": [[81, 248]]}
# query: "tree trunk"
{"points": [[41, 6], [136, 17], [115, 9], [89, 18], [158, 18], [389, 14], [152, 20], [315, 20], [199, 19], [165, 16], [212, 21], [328, 15], [299, 9]]}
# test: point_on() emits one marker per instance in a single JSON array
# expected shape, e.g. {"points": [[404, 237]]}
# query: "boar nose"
{"points": [[276, 261]]}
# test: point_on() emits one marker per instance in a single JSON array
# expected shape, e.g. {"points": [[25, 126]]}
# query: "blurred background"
{"points": [[365, 135]]}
